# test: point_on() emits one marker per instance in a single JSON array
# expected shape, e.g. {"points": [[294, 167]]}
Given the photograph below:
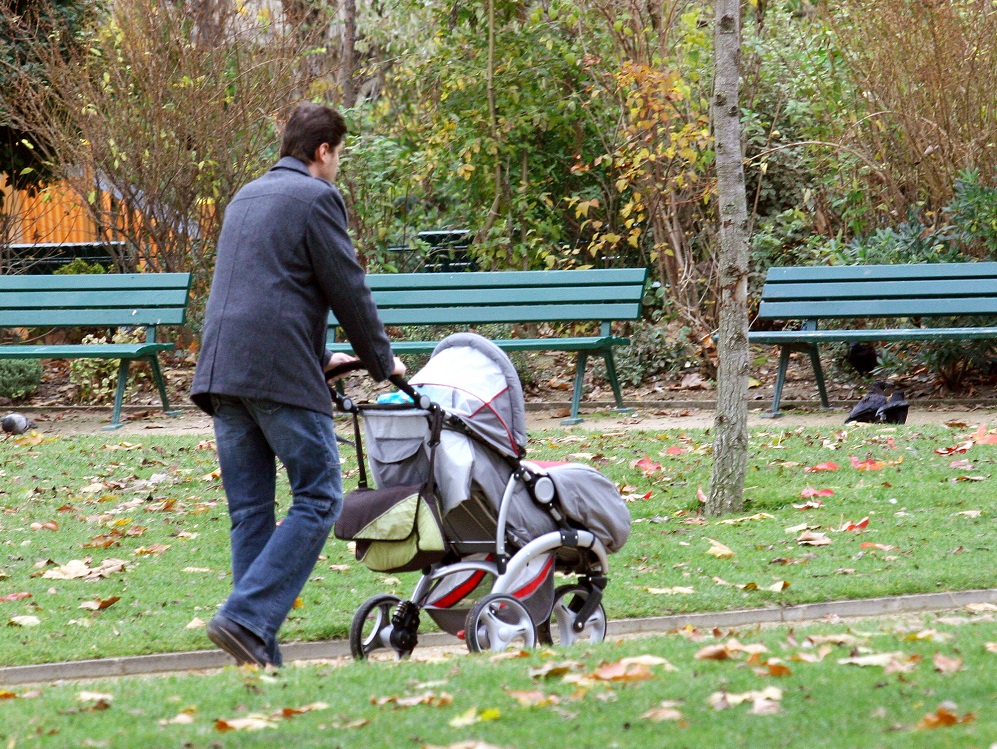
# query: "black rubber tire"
{"points": [[381, 606], [496, 622], [597, 622]]}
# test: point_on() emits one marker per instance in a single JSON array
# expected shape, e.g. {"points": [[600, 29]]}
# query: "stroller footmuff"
{"points": [[507, 524]]}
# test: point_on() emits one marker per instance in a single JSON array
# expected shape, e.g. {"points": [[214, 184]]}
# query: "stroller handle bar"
{"points": [[420, 400]]}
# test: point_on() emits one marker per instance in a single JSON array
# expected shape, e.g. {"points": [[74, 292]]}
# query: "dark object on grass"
{"points": [[895, 411], [16, 424], [867, 408], [862, 357]]}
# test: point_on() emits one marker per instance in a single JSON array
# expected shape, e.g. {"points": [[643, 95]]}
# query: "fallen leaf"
{"points": [[195, 623], [99, 604], [472, 716], [850, 526], [982, 438], [867, 465], [718, 550], [871, 545], [533, 698], [14, 597], [961, 448], [80, 569], [700, 495], [991, 647], [828, 466], [811, 504], [873, 659], [553, 670], [24, 621], [49, 525], [249, 723], [811, 492], [946, 665], [678, 590], [647, 466], [749, 518], [970, 513], [622, 671], [943, 717], [812, 538], [713, 653], [152, 549], [660, 714]]}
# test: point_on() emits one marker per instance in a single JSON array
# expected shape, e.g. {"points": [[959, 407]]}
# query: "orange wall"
{"points": [[54, 214]]}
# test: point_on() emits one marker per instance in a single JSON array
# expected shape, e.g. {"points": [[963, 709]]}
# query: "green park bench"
{"points": [[102, 301], [475, 298], [865, 295]]}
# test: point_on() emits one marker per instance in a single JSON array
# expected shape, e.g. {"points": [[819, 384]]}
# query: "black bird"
{"points": [[862, 357], [895, 411], [867, 408]]}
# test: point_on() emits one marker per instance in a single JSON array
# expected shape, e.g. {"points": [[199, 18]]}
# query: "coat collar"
{"points": [[295, 165]]}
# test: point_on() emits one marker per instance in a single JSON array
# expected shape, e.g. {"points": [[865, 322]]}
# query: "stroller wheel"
{"points": [[371, 627], [498, 622], [558, 630]]}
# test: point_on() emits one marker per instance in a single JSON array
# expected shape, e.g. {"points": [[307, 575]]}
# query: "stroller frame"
{"points": [[499, 619]]}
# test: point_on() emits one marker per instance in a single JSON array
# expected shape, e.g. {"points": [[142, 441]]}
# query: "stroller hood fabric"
{"points": [[473, 379]]}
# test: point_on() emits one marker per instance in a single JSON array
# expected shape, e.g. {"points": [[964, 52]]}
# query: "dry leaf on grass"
{"points": [[943, 717], [473, 715], [666, 711], [99, 604], [533, 698], [946, 665], [813, 538], [718, 550], [81, 569], [23, 621]]}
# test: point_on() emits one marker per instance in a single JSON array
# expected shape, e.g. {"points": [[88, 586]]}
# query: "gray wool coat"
{"points": [[284, 260]]}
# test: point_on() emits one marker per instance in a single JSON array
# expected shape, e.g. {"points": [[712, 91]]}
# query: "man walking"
{"points": [[284, 260]]}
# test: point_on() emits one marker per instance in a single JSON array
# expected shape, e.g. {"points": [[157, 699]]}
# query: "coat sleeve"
{"points": [[344, 284]]}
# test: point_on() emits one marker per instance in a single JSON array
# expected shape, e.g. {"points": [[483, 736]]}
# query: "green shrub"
{"points": [[973, 211], [79, 267], [19, 377], [656, 346], [95, 379]]}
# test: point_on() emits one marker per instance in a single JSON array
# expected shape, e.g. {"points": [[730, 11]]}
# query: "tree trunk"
{"points": [[730, 427], [349, 64]]}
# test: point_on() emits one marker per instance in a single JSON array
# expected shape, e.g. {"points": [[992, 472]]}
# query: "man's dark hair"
{"points": [[309, 126]]}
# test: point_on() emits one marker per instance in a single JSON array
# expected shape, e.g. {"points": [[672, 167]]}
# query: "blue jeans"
{"points": [[271, 563]]}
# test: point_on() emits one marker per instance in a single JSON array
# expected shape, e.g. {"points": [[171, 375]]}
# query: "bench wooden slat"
{"points": [[507, 279], [505, 314], [82, 300], [507, 296], [878, 308], [84, 351], [96, 281], [915, 272], [878, 334], [91, 317], [900, 290], [507, 344]]}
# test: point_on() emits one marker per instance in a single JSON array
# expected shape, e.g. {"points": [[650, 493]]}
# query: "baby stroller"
{"points": [[507, 524]]}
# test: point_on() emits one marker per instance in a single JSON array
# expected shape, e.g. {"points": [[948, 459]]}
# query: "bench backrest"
{"points": [[481, 297], [96, 300], [925, 290]]}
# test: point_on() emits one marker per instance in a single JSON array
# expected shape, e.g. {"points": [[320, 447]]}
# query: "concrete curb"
{"points": [[308, 651]]}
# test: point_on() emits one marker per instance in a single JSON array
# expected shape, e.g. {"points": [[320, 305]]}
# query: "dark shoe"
{"points": [[242, 644]]}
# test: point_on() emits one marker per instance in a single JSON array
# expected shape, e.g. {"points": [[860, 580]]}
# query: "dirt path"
{"points": [[655, 417]]}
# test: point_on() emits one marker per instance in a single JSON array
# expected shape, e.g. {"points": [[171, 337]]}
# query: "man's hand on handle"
{"points": [[339, 359]]}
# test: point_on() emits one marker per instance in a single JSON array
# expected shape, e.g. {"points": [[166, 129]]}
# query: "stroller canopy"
{"points": [[474, 380]]}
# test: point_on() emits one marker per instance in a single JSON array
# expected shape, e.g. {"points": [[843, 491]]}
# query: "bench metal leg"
{"points": [[780, 380], [119, 395], [157, 374], [615, 383], [576, 395], [819, 374]]}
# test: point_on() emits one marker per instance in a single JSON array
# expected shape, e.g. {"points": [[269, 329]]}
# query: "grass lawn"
{"points": [[111, 547], [877, 683]]}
